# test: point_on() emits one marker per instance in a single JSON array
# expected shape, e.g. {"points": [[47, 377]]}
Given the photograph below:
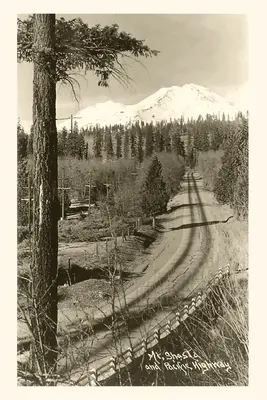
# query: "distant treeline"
{"points": [[225, 171], [177, 143], [139, 140]]}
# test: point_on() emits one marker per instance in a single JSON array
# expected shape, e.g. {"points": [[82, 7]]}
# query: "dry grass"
{"points": [[234, 244], [218, 332]]}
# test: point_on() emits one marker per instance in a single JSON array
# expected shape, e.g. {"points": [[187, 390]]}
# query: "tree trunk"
{"points": [[45, 192]]}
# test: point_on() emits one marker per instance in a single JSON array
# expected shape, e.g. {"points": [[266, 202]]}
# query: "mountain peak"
{"points": [[187, 101], [193, 86]]}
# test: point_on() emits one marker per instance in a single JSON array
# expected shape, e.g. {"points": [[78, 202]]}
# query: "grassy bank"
{"points": [[209, 349]]}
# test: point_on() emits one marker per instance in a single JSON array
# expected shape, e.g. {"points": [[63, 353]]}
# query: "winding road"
{"points": [[184, 261], [181, 262]]}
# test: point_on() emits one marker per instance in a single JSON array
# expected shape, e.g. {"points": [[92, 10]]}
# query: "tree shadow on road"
{"points": [[196, 224], [134, 314]]}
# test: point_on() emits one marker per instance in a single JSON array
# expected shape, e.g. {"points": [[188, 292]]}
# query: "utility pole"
{"points": [[107, 186], [71, 121], [89, 187], [63, 195]]}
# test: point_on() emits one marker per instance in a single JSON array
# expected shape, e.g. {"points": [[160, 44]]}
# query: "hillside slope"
{"points": [[188, 101]]}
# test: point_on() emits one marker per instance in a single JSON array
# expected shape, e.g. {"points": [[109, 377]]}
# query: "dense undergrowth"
{"points": [[226, 171]]}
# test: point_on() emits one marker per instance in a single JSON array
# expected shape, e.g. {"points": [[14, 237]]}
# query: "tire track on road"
{"points": [[164, 274], [194, 268]]}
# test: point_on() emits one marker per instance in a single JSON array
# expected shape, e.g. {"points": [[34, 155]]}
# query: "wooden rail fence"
{"points": [[177, 318]]}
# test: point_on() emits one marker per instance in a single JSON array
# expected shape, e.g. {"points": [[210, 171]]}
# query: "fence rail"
{"points": [[112, 366]]}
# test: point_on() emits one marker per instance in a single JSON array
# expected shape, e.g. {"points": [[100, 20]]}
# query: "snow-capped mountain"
{"points": [[188, 101]]}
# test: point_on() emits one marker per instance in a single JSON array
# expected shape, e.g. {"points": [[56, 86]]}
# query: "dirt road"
{"points": [[183, 261]]}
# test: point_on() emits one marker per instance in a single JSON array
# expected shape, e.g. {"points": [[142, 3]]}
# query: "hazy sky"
{"points": [[208, 50]]}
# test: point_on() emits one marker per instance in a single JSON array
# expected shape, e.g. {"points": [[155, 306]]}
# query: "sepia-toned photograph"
{"points": [[132, 200]]}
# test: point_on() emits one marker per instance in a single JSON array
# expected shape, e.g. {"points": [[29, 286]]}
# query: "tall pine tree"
{"points": [[126, 144], [118, 144], [216, 138], [178, 145], [133, 142], [45, 196], [167, 138], [158, 135], [154, 197], [140, 144], [97, 143], [62, 142], [109, 144], [57, 48], [22, 150], [149, 140], [73, 142], [22, 142]]}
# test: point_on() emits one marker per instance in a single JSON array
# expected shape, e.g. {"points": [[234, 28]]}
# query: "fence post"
{"points": [[216, 279], [185, 312], [113, 364], [128, 231], [199, 299], [153, 222], [192, 306], [96, 249], [168, 326], [227, 268], [130, 355], [136, 224], [156, 335], [68, 272], [144, 345], [92, 378], [177, 316], [208, 289]]}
